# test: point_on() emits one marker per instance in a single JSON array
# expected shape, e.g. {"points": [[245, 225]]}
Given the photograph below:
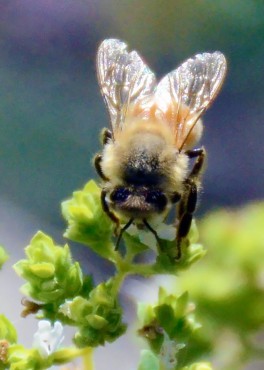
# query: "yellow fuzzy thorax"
{"points": [[152, 137]]}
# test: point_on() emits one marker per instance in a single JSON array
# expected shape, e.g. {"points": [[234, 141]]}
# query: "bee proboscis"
{"points": [[144, 164]]}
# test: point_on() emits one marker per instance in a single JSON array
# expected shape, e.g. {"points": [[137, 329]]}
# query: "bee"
{"points": [[144, 164]]}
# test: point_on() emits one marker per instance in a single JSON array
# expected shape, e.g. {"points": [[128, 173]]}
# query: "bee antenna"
{"points": [[154, 232], [124, 228]]}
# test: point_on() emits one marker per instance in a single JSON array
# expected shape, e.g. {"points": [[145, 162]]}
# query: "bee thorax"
{"points": [[143, 168], [145, 159], [143, 164]]}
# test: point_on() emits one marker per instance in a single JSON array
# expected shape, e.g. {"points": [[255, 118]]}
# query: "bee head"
{"points": [[138, 202]]}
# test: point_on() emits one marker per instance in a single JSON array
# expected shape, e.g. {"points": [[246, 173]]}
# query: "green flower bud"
{"points": [[87, 222], [21, 358], [96, 321], [49, 270], [42, 270], [172, 317], [99, 317]]}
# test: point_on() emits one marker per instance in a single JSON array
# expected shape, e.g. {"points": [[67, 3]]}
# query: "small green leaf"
{"points": [[199, 366], [7, 330], [3, 256], [148, 361], [43, 270], [97, 322]]}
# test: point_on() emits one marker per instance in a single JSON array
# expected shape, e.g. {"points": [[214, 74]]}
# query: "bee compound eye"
{"points": [[120, 195], [157, 198]]}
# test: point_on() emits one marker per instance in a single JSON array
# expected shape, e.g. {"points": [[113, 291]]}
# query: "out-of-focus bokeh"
{"points": [[51, 111]]}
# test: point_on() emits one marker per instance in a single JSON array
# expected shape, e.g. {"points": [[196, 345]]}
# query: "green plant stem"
{"points": [[125, 267], [66, 355], [88, 363]]}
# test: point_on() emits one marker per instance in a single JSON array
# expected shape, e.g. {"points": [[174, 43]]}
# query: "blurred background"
{"points": [[51, 111]]}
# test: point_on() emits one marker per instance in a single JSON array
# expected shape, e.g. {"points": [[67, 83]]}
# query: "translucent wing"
{"points": [[124, 79], [185, 93]]}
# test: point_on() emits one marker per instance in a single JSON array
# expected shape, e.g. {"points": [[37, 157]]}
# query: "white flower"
{"points": [[145, 237], [65, 308], [48, 338], [168, 352], [148, 239], [167, 232]]}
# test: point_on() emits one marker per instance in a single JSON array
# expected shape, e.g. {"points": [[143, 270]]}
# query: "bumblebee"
{"points": [[144, 164]]}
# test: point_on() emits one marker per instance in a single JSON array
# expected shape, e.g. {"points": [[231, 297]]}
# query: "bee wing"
{"points": [[125, 80], [185, 93]]}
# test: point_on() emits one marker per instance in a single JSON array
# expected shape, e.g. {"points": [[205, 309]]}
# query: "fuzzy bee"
{"points": [[144, 164]]}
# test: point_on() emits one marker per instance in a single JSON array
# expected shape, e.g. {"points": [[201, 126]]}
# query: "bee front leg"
{"points": [[200, 154], [106, 136], [188, 201], [110, 214], [98, 166]]}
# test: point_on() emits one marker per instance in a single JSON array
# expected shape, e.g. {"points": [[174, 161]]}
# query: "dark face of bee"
{"points": [[141, 201]]}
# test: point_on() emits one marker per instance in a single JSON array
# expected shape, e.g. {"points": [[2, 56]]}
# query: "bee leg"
{"points": [[186, 209], [193, 176], [195, 152], [106, 136], [110, 214], [200, 154], [189, 199], [175, 197], [121, 233], [154, 232], [98, 167]]}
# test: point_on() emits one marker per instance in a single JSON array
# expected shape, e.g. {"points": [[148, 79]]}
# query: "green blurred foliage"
{"points": [[227, 285], [180, 27], [7, 330], [3, 256]]}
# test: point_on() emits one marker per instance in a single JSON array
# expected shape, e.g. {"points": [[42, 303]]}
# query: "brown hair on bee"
{"points": [[144, 164]]}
